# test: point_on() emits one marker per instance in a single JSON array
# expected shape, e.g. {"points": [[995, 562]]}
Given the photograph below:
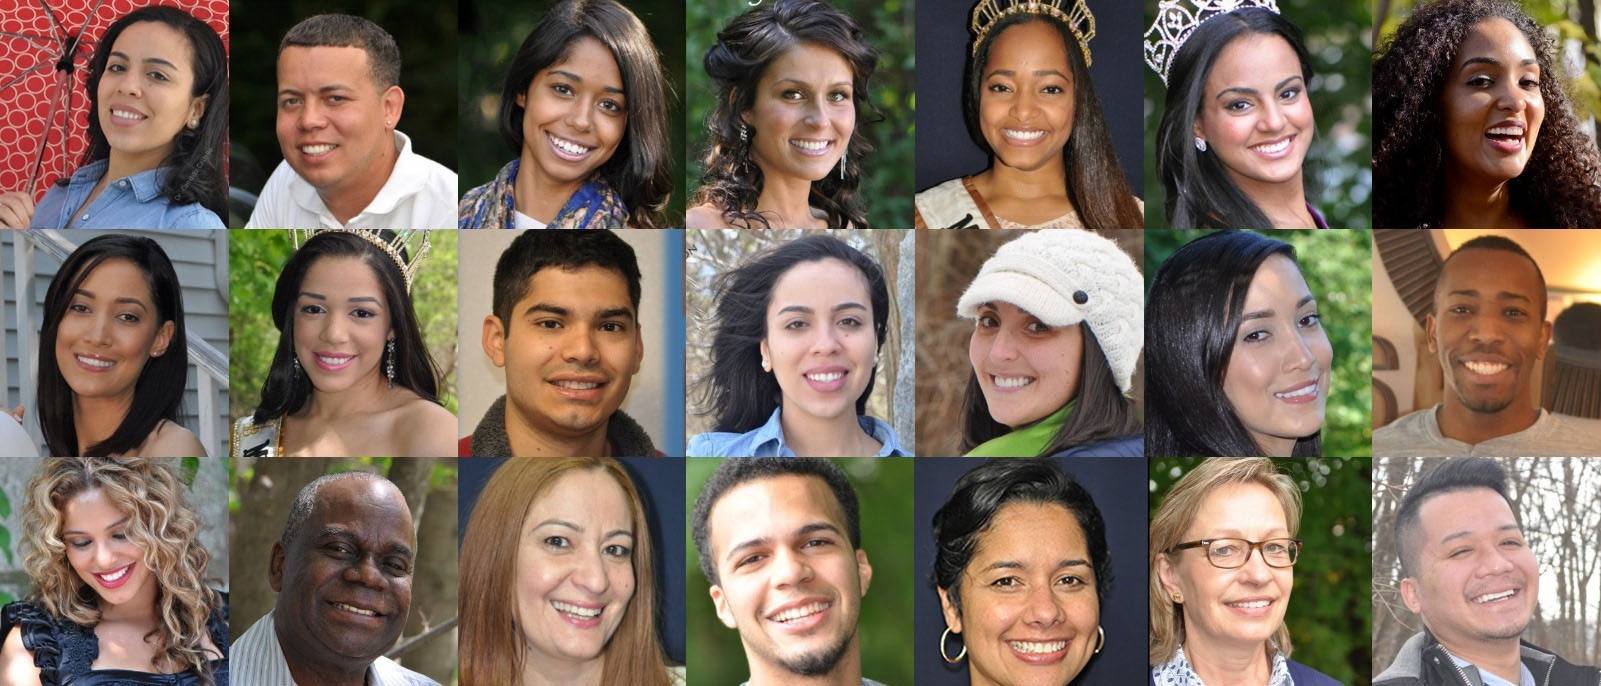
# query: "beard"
{"points": [[817, 662], [1484, 405]]}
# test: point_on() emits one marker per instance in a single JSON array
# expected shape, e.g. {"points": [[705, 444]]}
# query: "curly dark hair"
{"points": [[1560, 186], [732, 182]]}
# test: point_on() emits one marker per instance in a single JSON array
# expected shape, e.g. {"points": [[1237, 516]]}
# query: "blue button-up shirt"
{"points": [[131, 202], [767, 440]]}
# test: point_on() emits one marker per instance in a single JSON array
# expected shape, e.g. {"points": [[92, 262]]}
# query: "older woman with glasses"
{"points": [[1223, 551]]}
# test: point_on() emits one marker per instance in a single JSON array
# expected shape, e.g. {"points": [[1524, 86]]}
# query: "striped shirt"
{"points": [[256, 659]]}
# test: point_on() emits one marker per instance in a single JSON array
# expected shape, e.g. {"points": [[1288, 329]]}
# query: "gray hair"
{"points": [[306, 499]]}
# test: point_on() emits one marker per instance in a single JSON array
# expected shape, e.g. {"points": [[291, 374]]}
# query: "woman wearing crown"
{"points": [[1031, 107], [1238, 121], [351, 374]]}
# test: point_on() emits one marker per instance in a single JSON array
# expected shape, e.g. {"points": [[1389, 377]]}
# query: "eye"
{"points": [[1513, 543], [839, 96], [792, 95], [1460, 309], [1071, 580], [611, 107], [1515, 313], [851, 323], [548, 324], [559, 542], [79, 545], [1007, 582], [1037, 327], [1238, 106], [987, 322], [750, 560], [1225, 549], [1530, 84], [80, 308], [312, 309], [1289, 93], [340, 549], [817, 543], [1459, 552], [158, 76], [1000, 88], [1273, 548], [562, 89], [1053, 90], [398, 566], [336, 99], [1481, 81], [116, 68], [795, 325], [1310, 320], [363, 313], [289, 102], [1256, 336], [619, 551], [613, 327]]}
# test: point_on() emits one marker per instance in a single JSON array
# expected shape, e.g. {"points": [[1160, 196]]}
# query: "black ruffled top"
{"points": [[64, 650]]}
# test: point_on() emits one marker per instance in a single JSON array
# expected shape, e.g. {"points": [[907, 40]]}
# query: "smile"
{"points": [[1010, 382], [1306, 393], [577, 611], [1037, 647], [116, 578], [799, 613], [1506, 136], [333, 363], [1251, 604], [572, 151], [94, 363], [1492, 597], [1485, 368], [127, 115], [356, 610], [1274, 149], [827, 377], [317, 150], [1023, 136], [811, 147], [577, 385]]}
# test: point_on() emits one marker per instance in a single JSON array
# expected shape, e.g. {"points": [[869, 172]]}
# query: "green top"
{"points": [[1029, 441]]}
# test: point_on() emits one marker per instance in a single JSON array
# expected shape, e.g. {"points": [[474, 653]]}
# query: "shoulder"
{"points": [[170, 439], [426, 428], [1409, 427], [30, 644], [1124, 446], [715, 444], [387, 672], [192, 216], [705, 216], [947, 205]]}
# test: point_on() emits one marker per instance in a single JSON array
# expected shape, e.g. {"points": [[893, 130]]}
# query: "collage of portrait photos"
{"points": [[622, 343]]}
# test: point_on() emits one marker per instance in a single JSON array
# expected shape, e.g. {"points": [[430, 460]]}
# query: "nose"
{"points": [[1299, 357], [99, 333], [578, 346], [1495, 563], [589, 573], [311, 116], [814, 116], [1511, 99], [364, 571], [123, 83], [1256, 570], [1024, 107], [790, 568], [333, 330], [580, 117], [104, 557], [827, 341], [1044, 608], [1486, 328], [1272, 117], [1003, 347]]}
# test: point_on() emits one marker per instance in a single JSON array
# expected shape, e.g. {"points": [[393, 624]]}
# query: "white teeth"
{"points": [[1492, 597], [799, 612], [1037, 647], [1272, 148], [125, 114], [809, 145], [356, 610], [103, 364], [317, 149], [1309, 390], [1507, 131], [1251, 604], [1485, 368], [334, 361], [568, 146], [578, 385], [825, 378], [576, 611], [1022, 135], [1012, 381], [116, 576]]}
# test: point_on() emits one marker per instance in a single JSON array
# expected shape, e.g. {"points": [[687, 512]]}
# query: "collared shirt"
{"points": [[1525, 677], [1552, 435], [767, 440], [1178, 672], [256, 659], [131, 202], [420, 194]]}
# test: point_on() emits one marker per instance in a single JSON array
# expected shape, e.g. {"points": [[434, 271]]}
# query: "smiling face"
{"points": [[332, 118], [1255, 115], [803, 114], [341, 323], [1026, 100], [1242, 606], [1278, 375], [820, 340], [98, 549], [1488, 331], [575, 113], [1477, 580], [1026, 369], [110, 330], [575, 568], [1492, 103], [144, 94], [1029, 607], [788, 579]]}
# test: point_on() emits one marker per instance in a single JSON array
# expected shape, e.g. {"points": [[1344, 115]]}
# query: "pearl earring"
{"points": [[1200, 144]]}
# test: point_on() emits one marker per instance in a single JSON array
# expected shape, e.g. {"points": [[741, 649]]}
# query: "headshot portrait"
{"points": [[1485, 343], [345, 572], [1024, 567], [1259, 571], [1257, 344], [788, 553], [117, 115], [584, 104], [1053, 323], [1473, 122], [1256, 114], [790, 334], [1052, 113], [110, 361], [800, 114], [343, 340], [119, 571], [586, 549], [1477, 570], [321, 139], [567, 344]]}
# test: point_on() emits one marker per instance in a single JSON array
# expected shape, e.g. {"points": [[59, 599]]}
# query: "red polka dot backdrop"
{"points": [[45, 48]]}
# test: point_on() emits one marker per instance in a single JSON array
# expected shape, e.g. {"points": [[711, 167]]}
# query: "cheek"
{"points": [[977, 350], [845, 118]]}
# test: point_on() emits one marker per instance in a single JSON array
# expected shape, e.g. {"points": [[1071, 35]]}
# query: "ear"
{"points": [[639, 351], [394, 101], [1197, 127], [1545, 340], [163, 339], [1410, 596], [1428, 334], [494, 340], [275, 568], [522, 100], [864, 570], [721, 603], [197, 109], [767, 353], [953, 621], [1168, 577]]}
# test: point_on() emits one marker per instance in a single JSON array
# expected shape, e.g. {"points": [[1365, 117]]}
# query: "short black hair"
{"points": [[1452, 475], [981, 493], [565, 249], [1579, 326], [1503, 244], [738, 471], [347, 31]]}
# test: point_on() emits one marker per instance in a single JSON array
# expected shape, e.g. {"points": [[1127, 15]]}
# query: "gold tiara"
{"points": [[1079, 20], [403, 242]]}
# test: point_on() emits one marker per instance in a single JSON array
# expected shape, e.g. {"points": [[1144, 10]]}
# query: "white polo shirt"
{"points": [[420, 194]]}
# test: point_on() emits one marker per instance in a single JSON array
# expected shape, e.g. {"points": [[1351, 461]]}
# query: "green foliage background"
{"points": [[887, 180], [715, 654], [254, 260], [1339, 167], [1338, 266], [1331, 608]]}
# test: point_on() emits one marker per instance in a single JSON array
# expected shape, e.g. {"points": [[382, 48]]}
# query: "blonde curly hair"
{"points": [[160, 522]]}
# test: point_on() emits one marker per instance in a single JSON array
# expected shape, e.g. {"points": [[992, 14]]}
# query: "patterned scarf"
{"points": [[493, 205]]}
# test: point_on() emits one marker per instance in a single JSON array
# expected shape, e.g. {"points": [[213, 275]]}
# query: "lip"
{"points": [[113, 110], [1275, 149], [581, 621], [1033, 656], [1508, 127], [318, 150], [1485, 368], [579, 387], [126, 572], [1011, 383], [833, 378], [567, 148], [94, 363], [804, 623], [357, 612], [811, 147], [1301, 393], [329, 361], [1023, 137], [1264, 609], [1506, 595]]}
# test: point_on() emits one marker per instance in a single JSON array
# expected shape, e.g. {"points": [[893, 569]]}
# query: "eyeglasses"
{"points": [[1233, 553]]}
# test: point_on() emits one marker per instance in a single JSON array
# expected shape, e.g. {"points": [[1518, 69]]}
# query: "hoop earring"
{"points": [[942, 653], [1101, 643], [1200, 144], [389, 367]]}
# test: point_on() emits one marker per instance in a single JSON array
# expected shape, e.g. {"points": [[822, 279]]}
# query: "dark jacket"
{"points": [[1424, 662], [626, 437], [1127, 446]]}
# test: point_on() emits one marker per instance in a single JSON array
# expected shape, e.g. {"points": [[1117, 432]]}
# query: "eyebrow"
{"points": [[799, 82], [1252, 91], [114, 525], [357, 299], [324, 90], [1268, 314], [814, 527], [125, 299], [580, 79], [1037, 72], [1465, 533], [1017, 564], [837, 308], [569, 525], [341, 532], [1491, 61], [147, 60], [1503, 295]]}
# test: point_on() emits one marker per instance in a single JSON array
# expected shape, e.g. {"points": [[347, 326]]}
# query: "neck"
{"points": [[1048, 181], [525, 440], [811, 436], [1501, 657], [1459, 423], [560, 673], [536, 194], [348, 200], [363, 397], [1274, 446], [1284, 202], [95, 419], [786, 200], [846, 672], [1227, 663], [120, 165], [139, 610], [1475, 203]]}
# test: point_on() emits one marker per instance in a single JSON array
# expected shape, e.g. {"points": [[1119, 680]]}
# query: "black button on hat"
{"points": [[1081, 297]]}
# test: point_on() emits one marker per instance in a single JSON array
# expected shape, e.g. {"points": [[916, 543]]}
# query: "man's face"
{"points": [[332, 116], [1488, 329], [1476, 580], [570, 350], [789, 581], [344, 583]]}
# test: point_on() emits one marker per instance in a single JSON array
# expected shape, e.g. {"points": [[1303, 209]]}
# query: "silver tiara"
{"points": [[405, 247], [1177, 19]]}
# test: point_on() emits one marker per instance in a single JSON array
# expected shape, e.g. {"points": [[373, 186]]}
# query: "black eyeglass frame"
{"points": [[1251, 546]]}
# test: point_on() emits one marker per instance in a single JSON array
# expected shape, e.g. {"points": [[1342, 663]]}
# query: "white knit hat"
{"points": [[1064, 277]]}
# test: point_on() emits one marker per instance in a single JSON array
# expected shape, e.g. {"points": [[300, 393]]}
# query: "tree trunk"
{"points": [[264, 503], [433, 587]]}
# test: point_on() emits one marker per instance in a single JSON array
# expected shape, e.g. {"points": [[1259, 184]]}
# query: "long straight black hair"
{"points": [[1102, 413], [158, 394], [287, 388], [1192, 314]]}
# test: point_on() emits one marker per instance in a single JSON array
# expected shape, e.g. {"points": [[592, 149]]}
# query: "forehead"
{"points": [[580, 496], [342, 276], [1253, 60], [1024, 530], [808, 63], [821, 284], [310, 68], [1487, 270], [1495, 38], [118, 278], [1471, 510], [1278, 282], [592, 286], [1239, 509], [773, 507], [369, 508], [1028, 46], [154, 40], [89, 510], [589, 58]]}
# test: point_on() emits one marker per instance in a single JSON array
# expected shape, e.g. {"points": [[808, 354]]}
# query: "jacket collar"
{"points": [[1422, 652]]}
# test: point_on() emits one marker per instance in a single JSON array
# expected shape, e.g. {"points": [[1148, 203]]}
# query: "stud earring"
{"points": [[389, 368], [1200, 144], [943, 654], [766, 365]]}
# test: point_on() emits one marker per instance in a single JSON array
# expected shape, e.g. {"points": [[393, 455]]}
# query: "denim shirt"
{"points": [[767, 440], [132, 202]]}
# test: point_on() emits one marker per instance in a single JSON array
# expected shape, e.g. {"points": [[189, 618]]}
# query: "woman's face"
{"points": [[99, 551], [1030, 612], [803, 114], [1278, 375], [1255, 115], [1242, 606], [575, 112], [341, 323], [145, 93], [820, 340], [575, 568], [1026, 369], [1492, 102], [1026, 98], [110, 330]]}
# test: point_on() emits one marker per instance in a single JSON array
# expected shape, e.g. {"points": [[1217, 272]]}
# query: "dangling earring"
{"points": [[744, 133], [942, 653], [842, 157], [1200, 144], [1101, 643], [389, 367], [296, 365]]}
